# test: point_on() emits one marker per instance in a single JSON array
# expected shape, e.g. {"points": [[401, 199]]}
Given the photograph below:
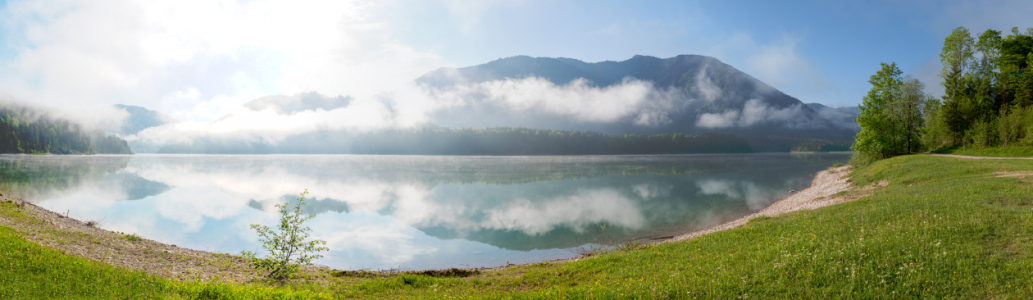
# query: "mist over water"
{"points": [[413, 212]]}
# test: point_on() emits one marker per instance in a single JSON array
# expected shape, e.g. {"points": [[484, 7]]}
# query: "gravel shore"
{"points": [[825, 184], [85, 239]]}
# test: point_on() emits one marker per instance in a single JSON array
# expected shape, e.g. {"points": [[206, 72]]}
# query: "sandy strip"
{"points": [[825, 184]]}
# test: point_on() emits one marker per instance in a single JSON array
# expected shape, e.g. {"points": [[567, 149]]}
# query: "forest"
{"points": [[987, 101], [489, 141], [24, 130], [527, 141]]}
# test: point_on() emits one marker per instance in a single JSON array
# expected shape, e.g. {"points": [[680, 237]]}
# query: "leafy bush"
{"points": [[287, 245], [132, 237]]}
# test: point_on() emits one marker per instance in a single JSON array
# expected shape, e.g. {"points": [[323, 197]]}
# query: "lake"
{"points": [[413, 212]]}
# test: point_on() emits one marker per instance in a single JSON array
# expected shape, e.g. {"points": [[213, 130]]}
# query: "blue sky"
{"points": [[840, 42], [200, 60]]}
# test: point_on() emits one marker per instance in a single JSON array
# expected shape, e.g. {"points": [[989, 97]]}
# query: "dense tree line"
{"points": [[490, 141], [23, 130], [987, 101], [988, 91], [527, 141], [891, 116]]}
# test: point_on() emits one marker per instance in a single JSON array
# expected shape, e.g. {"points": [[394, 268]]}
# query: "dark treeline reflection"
{"points": [[37, 177]]}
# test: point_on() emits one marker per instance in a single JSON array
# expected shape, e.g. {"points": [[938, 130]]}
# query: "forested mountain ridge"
{"points": [[491, 141], [681, 72], [25, 130], [700, 94]]}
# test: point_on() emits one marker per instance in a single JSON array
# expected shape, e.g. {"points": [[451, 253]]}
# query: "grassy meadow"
{"points": [[939, 228]]}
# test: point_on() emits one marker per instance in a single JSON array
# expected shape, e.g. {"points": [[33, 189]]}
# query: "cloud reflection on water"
{"points": [[422, 212]]}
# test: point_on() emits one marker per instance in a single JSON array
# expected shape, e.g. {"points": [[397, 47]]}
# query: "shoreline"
{"points": [[85, 239], [824, 186]]}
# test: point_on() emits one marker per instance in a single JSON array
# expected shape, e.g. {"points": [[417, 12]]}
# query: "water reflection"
{"points": [[413, 212]]}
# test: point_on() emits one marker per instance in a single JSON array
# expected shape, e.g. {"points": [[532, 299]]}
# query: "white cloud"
{"points": [[78, 54], [409, 203], [726, 119], [755, 112], [754, 196], [633, 101], [632, 98], [778, 64]]}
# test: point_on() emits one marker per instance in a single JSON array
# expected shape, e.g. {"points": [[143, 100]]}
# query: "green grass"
{"points": [[942, 228], [31, 271], [991, 151]]}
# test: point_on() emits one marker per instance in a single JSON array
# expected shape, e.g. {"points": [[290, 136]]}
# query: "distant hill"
{"points": [[846, 114], [139, 119]]}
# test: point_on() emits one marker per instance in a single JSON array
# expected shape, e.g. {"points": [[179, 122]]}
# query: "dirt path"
{"points": [[975, 157]]}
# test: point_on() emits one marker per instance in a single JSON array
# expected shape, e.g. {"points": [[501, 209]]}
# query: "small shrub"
{"points": [[629, 246], [132, 237], [287, 245]]}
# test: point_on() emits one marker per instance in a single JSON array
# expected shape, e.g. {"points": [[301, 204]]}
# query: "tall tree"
{"points": [[1016, 87], [986, 74], [906, 111], [875, 140], [956, 55]]}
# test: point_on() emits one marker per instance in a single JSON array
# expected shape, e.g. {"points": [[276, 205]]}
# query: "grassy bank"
{"points": [[31, 271], [990, 151], [940, 228]]}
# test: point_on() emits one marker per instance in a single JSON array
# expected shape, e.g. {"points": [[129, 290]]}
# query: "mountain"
{"points": [[649, 96], [846, 115], [139, 119], [695, 74], [690, 93]]}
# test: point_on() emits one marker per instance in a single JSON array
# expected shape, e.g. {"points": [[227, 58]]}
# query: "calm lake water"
{"points": [[412, 212]]}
